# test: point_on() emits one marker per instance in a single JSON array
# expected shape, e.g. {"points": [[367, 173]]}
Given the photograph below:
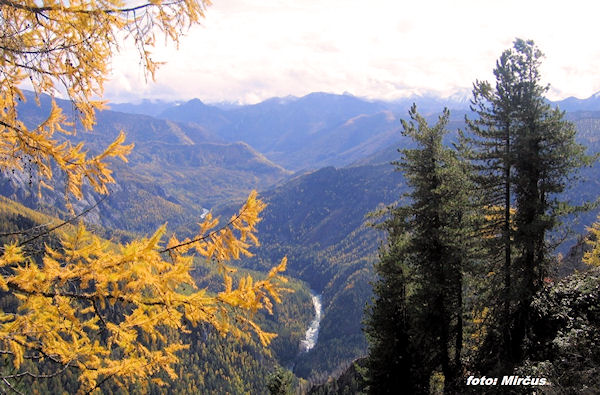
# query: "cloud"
{"points": [[249, 51]]}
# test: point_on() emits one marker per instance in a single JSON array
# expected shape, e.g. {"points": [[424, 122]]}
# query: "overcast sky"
{"points": [[248, 51]]}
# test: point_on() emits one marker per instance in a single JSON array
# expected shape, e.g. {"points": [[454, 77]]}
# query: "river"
{"points": [[312, 333]]}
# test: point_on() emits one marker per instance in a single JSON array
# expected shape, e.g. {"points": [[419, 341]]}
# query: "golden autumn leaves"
{"points": [[65, 301], [592, 257], [88, 302], [60, 46]]}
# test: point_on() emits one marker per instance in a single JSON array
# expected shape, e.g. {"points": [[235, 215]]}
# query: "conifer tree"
{"points": [[491, 142], [546, 161], [416, 322], [66, 46], [525, 154], [392, 362], [280, 382]]}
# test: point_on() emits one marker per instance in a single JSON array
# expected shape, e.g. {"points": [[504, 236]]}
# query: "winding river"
{"points": [[312, 333]]}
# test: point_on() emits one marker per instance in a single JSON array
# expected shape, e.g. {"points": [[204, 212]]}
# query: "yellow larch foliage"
{"points": [[64, 301], [494, 215], [592, 257], [65, 47]]}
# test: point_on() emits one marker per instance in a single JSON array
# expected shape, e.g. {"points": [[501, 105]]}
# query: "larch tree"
{"points": [[415, 325], [87, 303], [66, 46], [592, 256]]}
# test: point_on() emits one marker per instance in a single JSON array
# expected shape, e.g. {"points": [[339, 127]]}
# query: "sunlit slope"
{"points": [[174, 171]]}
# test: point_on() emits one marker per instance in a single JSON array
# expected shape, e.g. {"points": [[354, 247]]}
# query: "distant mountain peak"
{"points": [[463, 96]]}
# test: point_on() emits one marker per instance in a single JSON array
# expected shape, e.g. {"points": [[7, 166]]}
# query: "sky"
{"points": [[247, 51]]}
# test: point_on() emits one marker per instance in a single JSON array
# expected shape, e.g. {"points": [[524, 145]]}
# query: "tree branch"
{"points": [[38, 376], [23, 232], [41, 10], [11, 387], [63, 223], [88, 297], [207, 236]]}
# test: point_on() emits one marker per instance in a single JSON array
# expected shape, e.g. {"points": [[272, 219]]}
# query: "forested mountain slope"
{"points": [[318, 221], [322, 129], [174, 171]]}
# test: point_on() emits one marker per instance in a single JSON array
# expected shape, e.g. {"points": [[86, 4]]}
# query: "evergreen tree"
{"points": [[280, 382], [416, 323], [391, 363], [546, 159], [525, 154], [491, 142]]}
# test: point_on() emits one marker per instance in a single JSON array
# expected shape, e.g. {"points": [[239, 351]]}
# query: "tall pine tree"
{"points": [[546, 159], [491, 140], [415, 325], [525, 154]]}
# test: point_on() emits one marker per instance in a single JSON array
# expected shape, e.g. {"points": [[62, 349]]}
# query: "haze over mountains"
{"points": [[313, 131], [319, 129], [320, 162]]}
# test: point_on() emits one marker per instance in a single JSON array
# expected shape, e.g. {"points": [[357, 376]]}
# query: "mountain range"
{"points": [[319, 129]]}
